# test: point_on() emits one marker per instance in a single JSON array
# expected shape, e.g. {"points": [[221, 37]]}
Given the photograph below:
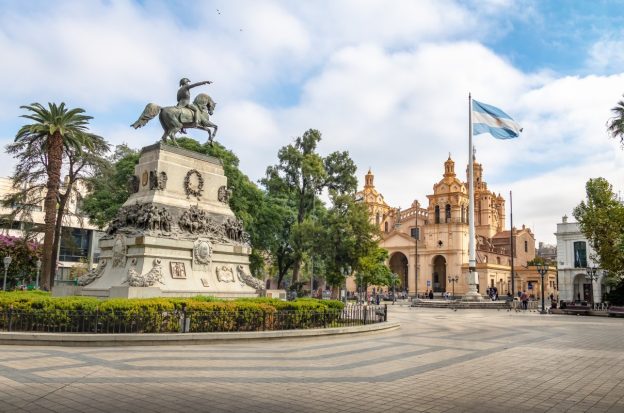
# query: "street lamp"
{"points": [[416, 234], [592, 276], [542, 269], [7, 261], [38, 271], [453, 280], [394, 277]]}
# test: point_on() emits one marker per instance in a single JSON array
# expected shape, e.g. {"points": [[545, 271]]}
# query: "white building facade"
{"points": [[573, 259], [78, 245]]}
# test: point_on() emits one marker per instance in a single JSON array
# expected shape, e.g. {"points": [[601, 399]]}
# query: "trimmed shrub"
{"points": [[35, 311]]}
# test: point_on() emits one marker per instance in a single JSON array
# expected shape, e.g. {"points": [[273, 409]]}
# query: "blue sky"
{"points": [[387, 81]]}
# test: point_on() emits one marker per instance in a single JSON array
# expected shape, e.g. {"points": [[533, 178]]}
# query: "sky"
{"points": [[386, 81]]}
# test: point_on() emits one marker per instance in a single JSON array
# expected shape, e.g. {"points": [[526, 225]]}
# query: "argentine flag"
{"points": [[492, 120]]}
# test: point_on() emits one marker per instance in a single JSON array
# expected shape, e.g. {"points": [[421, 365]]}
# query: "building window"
{"points": [[448, 213], [437, 214], [386, 226], [74, 244], [498, 260], [580, 254], [526, 246], [463, 215]]}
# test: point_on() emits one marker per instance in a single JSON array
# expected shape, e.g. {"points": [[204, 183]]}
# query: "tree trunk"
{"points": [[296, 270], [59, 225], [55, 159]]}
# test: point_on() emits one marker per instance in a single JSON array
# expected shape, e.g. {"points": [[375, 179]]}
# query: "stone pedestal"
{"points": [[175, 235]]}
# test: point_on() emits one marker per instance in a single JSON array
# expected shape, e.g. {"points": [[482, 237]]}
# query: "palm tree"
{"points": [[615, 125], [53, 129]]}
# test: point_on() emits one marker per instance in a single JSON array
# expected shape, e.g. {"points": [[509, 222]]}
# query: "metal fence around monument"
{"points": [[178, 321]]}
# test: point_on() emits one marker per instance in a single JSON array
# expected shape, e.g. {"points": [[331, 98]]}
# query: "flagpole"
{"points": [[511, 242], [472, 294]]}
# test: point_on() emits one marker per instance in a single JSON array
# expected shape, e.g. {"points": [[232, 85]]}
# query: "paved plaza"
{"points": [[438, 361]]}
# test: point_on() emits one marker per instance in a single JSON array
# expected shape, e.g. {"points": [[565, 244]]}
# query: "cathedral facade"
{"points": [[428, 246]]}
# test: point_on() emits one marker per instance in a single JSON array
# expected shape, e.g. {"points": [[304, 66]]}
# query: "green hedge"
{"points": [[41, 312]]}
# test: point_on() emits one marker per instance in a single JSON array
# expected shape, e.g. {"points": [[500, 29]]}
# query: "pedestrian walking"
{"points": [[524, 297]]}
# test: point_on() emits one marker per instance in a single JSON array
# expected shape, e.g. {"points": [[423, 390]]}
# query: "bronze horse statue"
{"points": [[174, 118]]}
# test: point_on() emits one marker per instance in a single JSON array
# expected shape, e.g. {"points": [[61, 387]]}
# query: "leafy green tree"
{"points": [[108, 188], [346, 236], [54, 130], [615, 125], [601, 220], [373, 268], [300, 175]]}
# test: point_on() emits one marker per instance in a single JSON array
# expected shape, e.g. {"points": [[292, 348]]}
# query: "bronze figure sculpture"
{"points": [[175, 119]]}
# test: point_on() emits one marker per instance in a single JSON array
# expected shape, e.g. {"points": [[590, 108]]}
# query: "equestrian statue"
{"points": [[185, 114]]}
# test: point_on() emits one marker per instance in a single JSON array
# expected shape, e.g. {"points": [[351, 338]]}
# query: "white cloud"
{"points": [[387, 81]]}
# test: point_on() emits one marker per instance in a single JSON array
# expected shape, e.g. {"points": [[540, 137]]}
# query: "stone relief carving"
{"points": [[153, 276], [205, 282], [157, 180], [94, 274], [234, 231], [197, 221], [193, 183], [225, 274], [141, 216], [133, 184], [202, 252], [223, 195], [178, 271], [248, 279], [119, 251]]}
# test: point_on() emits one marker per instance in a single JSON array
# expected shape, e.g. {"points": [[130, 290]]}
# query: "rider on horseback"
{"points": [[184, 96]]}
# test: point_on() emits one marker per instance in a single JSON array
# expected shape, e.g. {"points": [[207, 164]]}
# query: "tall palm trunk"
{"points": [[58, 228], [55, 159]]}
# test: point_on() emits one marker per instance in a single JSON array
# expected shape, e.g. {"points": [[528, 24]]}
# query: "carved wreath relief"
{"points": [[193, 184], [177, 270], [119, 251], [202, 252]]}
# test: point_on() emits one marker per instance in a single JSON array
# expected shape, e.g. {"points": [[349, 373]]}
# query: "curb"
{"points": [[108, 340]]}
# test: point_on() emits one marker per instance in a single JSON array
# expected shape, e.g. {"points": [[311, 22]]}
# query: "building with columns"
{"points": [[573, 258], [441, 252]]}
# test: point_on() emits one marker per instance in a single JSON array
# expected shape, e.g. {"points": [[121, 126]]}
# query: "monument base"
{"points": [[472, 296], [123, 291]]}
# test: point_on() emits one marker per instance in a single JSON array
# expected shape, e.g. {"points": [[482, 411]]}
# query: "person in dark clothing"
{"points": [[431, 294]]}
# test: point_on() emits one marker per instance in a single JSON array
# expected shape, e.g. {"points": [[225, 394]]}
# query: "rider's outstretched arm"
{"points": [[192, 85]]}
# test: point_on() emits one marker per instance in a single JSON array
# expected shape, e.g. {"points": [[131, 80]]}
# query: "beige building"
{"points": [[441, 252], [79, 239]]}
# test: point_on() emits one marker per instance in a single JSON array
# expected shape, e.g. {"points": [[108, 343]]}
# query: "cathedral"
{"points": [[428, 246]]}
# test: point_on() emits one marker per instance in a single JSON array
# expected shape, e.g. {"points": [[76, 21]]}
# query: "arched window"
{"points": [[386, 226], [377, 218], [463, 214], [437, 214], [447, 213]]}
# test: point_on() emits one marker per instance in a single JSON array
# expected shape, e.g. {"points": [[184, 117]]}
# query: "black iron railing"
{"points": [[183, 321]]}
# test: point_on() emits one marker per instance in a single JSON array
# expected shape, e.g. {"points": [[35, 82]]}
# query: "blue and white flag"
{"points": [[492, 120]]}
